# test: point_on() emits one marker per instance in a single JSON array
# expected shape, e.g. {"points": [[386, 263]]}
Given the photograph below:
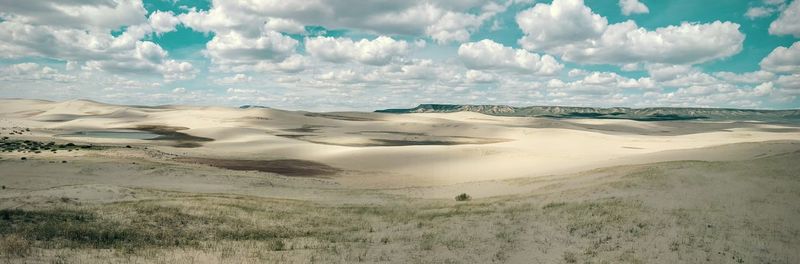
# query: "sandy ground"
{"points": [[384, 150], [544, 190]]}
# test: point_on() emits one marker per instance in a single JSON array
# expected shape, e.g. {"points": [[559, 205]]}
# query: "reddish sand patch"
{"points": [[288, 167]]}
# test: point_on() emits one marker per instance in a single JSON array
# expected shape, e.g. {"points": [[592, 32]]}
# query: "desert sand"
{"points": [[186, 184]]}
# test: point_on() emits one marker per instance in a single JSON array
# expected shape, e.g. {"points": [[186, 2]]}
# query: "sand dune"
{"points": [[397, 150]]}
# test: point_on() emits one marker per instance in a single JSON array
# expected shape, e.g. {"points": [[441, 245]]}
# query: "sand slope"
{"points": [[386, 150]]}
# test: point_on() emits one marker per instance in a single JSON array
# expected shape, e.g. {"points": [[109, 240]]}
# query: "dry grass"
{"points": [[665, 213]]}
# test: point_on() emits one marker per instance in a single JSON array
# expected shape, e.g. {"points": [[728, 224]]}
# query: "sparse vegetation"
{"points": [[32, 146]]}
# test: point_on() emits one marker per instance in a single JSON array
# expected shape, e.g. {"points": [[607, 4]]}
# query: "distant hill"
{"points": [[639, 114], [252, 106]]}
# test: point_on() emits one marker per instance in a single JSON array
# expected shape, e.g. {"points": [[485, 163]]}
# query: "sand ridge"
{"points": [[398, 150]]}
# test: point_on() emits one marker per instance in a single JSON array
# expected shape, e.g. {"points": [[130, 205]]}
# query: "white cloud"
{"points": [[293, 64], [596, 85], [767, 8], [487, 54], [783, 60], [284, 25], [747, 77], [79, 32], [443, 21], [453, 26], [666, 72], [234, 47], [474, 76], [633, 7], [99, 51], [98, 15], [406, 59], [560, 23], [763, 89], [691, 78], [177, 70], [32, 71], [570, 29], [758, 12], [146, 57], [379, 51], [683, 44], [630, 67], [238, 78], [162, 22], [788, 23], [789, 81]]}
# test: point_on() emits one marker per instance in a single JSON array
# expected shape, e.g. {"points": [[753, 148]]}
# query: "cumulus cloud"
{"points": [[238, 78], [75, 14], [783, 59], [87, 41], [162, 22], [398, 52], [767, 8], [788, 23], [598, 83], [758, 12], [146, 57], [32, 71], [570, 29], [284, 25], [442, 20], [633, 7], [747, 77], [789, 81], [487, 54], [763, 89], [234, 47], [666, 72], [379, 51], [475, 76], [560, 23]]}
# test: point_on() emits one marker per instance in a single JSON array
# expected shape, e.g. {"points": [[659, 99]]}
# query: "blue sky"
{"points": [[366, 55]]}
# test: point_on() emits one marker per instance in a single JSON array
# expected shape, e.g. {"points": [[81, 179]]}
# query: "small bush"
{"points": [[463, 197]]}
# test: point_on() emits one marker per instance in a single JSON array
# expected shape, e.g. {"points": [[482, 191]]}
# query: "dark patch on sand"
{"points": [[182, 140], [287, 167], [294, 136], [406, 141], [305, 129], [402, 142], [627, 147], [392, 133]]}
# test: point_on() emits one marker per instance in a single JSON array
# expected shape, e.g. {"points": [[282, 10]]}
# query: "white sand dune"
{"points": [[386, 150]]}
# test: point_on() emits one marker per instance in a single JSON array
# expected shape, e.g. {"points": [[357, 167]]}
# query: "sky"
{"points": [[327, 55]]}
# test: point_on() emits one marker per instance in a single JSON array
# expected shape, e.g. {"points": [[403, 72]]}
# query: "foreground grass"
{"points": [[266, 228], [682, 212]]}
